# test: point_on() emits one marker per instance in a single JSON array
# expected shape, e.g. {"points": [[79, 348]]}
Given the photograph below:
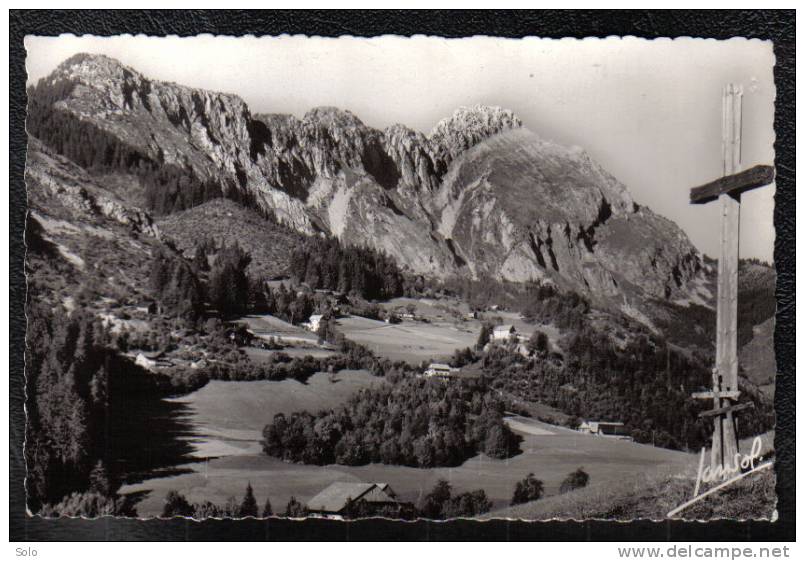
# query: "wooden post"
{"points": [[727, 310], [725, 440]]}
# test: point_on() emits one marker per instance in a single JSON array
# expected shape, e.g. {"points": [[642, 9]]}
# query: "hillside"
{"points": [[269, 244], [479, 195], [652, 497], [86, 247]]}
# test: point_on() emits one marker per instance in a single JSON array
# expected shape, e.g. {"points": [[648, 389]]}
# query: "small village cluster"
{"points": [[500, 334]]}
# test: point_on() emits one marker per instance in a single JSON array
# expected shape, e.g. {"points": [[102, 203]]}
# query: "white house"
{"points": [[314, 322], [145, 362], [440, 370], [152, 361], [503, 332]]}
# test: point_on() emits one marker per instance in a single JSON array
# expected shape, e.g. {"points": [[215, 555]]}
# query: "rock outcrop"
{"points": [[52, 178]]}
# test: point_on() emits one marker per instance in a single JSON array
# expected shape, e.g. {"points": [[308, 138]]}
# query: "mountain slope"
{"points": [[269, 245], [532, 209], [480, 195], [86, 247]]}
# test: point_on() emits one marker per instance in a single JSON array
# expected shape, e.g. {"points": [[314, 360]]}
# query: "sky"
{"points": [[648, 111]]}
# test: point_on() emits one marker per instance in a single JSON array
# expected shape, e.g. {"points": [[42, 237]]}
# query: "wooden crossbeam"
{"points": [[734, 184], [727, 409]]}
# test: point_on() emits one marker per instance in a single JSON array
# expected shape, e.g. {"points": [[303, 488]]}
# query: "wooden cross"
{"points": [[728, 190]]}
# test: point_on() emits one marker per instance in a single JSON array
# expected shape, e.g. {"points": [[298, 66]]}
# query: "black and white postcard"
{"points": [[400, 277]]}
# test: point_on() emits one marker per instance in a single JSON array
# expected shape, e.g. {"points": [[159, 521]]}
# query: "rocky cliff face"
{"points": [[521, 207], [479, 195], [52, 179]]}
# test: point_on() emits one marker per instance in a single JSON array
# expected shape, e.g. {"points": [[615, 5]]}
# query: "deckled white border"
{"points": [[163, 4]]}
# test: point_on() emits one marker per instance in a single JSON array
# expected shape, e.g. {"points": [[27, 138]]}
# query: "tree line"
{"points": [[75, 381], [176, 504], [325, 263], [175, 285], [440, 503], [218, 273], [535, 300], [217, 276], [409, 421]]}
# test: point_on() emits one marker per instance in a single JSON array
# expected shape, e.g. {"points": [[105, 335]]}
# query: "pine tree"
{"points": [[200, 259], [295, 509], [249, 505], [483, 336], [538, 342], [229, 284], [267, 509], [99, 387], [160, 272]]}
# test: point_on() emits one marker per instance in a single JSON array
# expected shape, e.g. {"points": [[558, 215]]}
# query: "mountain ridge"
{"points": [[479, 195]]}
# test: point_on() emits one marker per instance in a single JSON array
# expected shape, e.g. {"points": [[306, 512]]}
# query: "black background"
{"points": [[778, 26]]}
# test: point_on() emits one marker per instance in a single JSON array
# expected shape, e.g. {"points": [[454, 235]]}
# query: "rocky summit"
{"points": [[480, 195]]}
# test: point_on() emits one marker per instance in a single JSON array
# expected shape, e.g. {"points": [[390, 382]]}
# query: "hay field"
{"points": [[266, 326], [229, 416], [550, 456], [412, 341], [258, 355]]}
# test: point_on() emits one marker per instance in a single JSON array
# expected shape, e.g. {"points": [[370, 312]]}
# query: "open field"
{"points": [[550, 456], [411, 341], [261, 355], [450, 315], [229, 416], [414, 341], [434, 310], [266, 326], [524, 425]]}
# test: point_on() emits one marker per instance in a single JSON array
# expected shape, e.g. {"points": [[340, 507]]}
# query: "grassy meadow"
{"points": [[652, 496], [230, 416]]}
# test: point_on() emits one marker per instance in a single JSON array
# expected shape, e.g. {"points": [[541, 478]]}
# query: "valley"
{"points": [[416, 307]]}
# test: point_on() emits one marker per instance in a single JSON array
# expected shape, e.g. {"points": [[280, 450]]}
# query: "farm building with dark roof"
{"points": [[335, 499]]}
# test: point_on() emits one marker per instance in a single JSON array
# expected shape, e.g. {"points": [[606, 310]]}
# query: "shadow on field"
{"points": [[151, 437]]}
